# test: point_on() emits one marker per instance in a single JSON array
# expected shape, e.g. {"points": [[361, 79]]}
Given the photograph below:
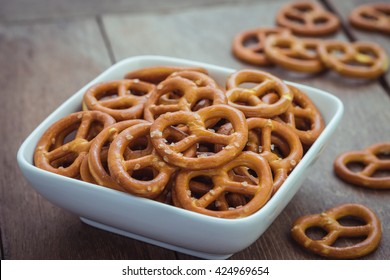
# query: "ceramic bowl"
{"points": [[154, 222]]}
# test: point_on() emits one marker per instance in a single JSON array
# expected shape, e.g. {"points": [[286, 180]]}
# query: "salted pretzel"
{"points": [[85, 173], [293, 53], [365, 60], [157, 74], [307, 18], [122, 99], [248, 45], [188, 94], [249, 100], [281, 164], [98, 153], [304, 117], [198, 133], [61, 152], [370, 158], [371, 232], [214, 201], [373, 16], [124, 171]]}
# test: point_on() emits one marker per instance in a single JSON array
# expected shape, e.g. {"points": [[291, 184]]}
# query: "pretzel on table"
{"points": [[307, 18], [293, 53], [248, 45], [365, 60], [249, 100], [122, 99], [54, 154], [371, 232], [372, 16], [368, 157]]}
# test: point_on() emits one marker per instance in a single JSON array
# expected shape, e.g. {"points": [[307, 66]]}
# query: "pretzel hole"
{"points": [[320, 20], [236, 200], [243, 174], [351, 221], [137, 92], [144, 174], [170, 97], [384, 155], [64, 161], [295, 19], [106, 95], [200, 104], [303, 124], [316, 233], [355, 166], [205, 149], [368, 16], [251, 41], [381, 173], [270, 98]]}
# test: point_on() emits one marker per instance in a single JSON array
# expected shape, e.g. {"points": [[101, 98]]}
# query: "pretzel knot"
{"points": [[63, 146], [307, 18], [294, 53], [277, 143], [360, 59], [144, 174], [248, 45], [98, 153], [373, 16], [371, 231], [249, 100], [304, 117], [370, 159], [183, 91], [213, 200], [157, 74], [122, 99], [199, 133]]}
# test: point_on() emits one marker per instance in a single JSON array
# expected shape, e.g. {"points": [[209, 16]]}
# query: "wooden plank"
{"points": [[344, 8], [26, 10], [43, 65], [205, 34]]}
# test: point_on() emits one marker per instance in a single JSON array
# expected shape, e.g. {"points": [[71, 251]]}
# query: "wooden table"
{"points": [[49, 49]]}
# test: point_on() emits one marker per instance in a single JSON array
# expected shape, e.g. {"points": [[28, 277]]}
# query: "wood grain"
{"points": [[44, 65], [205, 34]]}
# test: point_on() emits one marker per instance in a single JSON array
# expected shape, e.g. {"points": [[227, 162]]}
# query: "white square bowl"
{"points": [[154, 222]]}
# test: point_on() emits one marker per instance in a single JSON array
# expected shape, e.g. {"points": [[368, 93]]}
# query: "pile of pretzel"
{"points": [[174, 135], [269, 46]]}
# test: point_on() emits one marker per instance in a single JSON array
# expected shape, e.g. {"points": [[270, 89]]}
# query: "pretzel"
{"points": [[373, 16], [281, 165], [85, 174], [371, 232], [214, 202], [369, 157], [307, 19], [188, 94], [157, 74], [304, 117], [127, 103], [249, 100], [293, 53], [365, 60], [248, 45], [54, 154], [122, 170], [198, 133], [97, 158]]}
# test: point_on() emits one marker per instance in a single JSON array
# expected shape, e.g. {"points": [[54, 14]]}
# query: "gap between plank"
{"points": [[2, 254], [106, 40], [351, 37]]}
